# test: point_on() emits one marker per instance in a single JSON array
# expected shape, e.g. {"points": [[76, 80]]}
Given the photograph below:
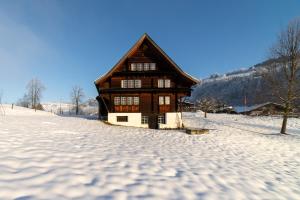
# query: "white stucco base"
{"points": [[172, 119], [134, 119]]}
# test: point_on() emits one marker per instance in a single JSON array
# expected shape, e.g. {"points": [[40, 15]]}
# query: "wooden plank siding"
{"points": [[144, 51]]}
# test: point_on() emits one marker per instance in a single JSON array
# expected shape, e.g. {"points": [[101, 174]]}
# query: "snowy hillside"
{"points": [[89, 107], [45, 156], [232, 87]]}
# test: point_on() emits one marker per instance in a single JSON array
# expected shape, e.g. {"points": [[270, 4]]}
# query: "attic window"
{"points": [[139, 67], [133, 67], [142, 66], [152, 66], [146, 66]]}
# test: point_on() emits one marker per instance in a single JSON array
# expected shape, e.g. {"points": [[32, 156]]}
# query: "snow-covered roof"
{"points": [[241, 109]]}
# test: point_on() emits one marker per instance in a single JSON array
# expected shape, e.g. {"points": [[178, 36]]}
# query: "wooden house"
{"points": [[144, 88], [265, 109]]}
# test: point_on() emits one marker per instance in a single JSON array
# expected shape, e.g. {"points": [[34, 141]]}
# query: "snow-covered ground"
{"points": [[88, 108], [44, 156]]}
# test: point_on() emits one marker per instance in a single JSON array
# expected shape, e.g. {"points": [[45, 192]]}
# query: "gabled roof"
{"points": [[242, 109], [144, 37]]}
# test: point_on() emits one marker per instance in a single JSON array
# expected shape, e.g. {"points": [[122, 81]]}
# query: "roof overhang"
{"points": [[132, 50]]}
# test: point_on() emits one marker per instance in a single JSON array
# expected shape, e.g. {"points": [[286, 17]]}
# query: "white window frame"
{"points": [[137, 83], [139, 66], [164, 100], [161, 100], [124, 83], [167, 83], [130, 83], [136, 101], [123, 101], [133, 66], [160, 83], [117, 101], [146, 66], [129, 101], [167, 100]]}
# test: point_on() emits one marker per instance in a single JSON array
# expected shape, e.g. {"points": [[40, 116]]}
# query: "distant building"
{"points": [[187, 106], [264, 109], [144, 88], [225, 109]]}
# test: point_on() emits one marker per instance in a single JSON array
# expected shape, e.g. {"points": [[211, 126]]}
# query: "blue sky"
{"points": [[71, 42]]}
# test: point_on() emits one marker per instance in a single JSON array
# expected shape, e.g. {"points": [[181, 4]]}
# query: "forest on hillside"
{"points": [[234, 87]]}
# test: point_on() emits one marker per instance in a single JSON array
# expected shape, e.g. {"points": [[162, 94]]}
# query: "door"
{"points": [[153, 123]]}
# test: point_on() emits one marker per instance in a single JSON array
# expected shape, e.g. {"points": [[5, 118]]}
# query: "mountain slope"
{"points": [[234, 87]]}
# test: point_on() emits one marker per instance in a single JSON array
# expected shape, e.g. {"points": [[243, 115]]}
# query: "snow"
{"points": [[240, 109], [63, 108], [44, 156]]}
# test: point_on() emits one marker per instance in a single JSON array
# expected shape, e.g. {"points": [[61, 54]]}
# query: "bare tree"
{"points": [[76, 96], [206, 104], [283, 75], [2, 110], [35, 89], [24, 101]]}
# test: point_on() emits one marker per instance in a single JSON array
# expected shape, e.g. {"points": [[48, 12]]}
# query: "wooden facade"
{"points": [[144, 81]]}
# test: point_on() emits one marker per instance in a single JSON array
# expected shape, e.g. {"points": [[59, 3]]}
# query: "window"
{"points": [[126, 104], [167, 83], [130, 83], [126, 101], [167, 100], [133, 67], [139, 66], [123, 100], [136, 100], [152, 66], [161, 100], [117, 100], [142, 66], [137, 83], [122, 118], [146, 66], [164, 100], [144, 119], [124, 83], [163, 83], [161, 119], [160, 83], [129, 101]]}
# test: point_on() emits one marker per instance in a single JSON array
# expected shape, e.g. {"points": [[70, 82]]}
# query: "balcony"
{"points": [[140, 90]]}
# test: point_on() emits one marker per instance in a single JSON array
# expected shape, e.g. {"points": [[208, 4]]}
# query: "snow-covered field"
{"points": [[44, 156], [88, 108]]}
